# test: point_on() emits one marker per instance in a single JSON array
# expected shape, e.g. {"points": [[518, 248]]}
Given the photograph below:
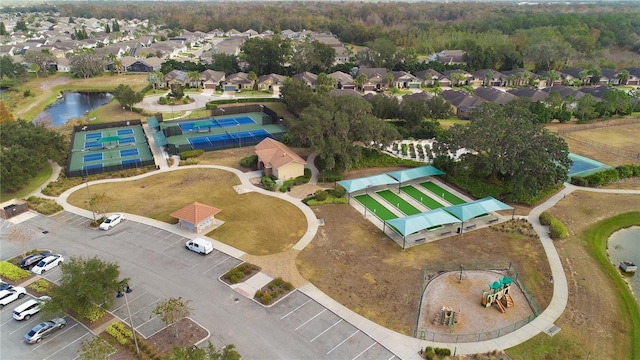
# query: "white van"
{"points": [[199, 245]]}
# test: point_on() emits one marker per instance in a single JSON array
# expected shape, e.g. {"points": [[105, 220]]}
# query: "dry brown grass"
{"points": [[255, 223]]}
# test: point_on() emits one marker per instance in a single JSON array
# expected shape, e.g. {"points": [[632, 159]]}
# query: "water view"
{"points": [[74, 105], [624, 245]]}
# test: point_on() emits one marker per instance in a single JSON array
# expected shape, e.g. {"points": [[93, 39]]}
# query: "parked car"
{"points": [[33, 259], [111, 221], [29, 308], [200, 246], [5, 286], [43, 330], [47, 263], [10, 295]]}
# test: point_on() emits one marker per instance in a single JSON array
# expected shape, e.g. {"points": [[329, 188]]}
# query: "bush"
{"points": [[191, 154], [12, 272], [234, 275], [545, 218], [330, 200], [442, 352], [162, 100], [321, 195], [337, 191], [268, 183], [250, 162], [429, 353], [41, 286], [116, 334], [43, 206], [579, 181], [96, 313], [557, 229]]}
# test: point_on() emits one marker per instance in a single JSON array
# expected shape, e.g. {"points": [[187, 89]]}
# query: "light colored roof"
{"points": [[472, 209], [276, 154], [362, 183], [414, 223], [415, 173], [195, 212]]}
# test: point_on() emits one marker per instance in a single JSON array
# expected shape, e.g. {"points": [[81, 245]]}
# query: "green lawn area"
{"points": [[32, 185], [375, 207], [398, 202], [442, 193], [425, 200]]}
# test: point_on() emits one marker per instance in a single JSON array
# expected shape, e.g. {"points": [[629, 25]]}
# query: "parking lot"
{"points": [[63, 344], [327, 331]]}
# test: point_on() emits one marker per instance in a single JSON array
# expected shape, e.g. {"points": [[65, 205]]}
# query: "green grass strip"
{"points": [[442, 193], [398, 202], [375, 207], [419, 196]]}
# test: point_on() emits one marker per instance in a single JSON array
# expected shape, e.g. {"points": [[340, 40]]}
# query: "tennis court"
{"points": [[215, 123], [98, 148], [419, 196], [398, 202], [442, 193], [229, 137]]}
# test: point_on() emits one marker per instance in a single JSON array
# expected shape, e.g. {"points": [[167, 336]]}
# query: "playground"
{"points": [[461, 293]]}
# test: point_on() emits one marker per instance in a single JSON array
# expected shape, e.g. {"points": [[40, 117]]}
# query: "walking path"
{"points": [[283, 265]]}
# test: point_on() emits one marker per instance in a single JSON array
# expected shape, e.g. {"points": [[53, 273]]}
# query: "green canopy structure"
{"points": [[506, 280], [473, 209], [107, 139]]}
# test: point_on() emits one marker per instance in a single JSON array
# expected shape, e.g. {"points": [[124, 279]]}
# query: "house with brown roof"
{"points": [[276, 159], [197, 217], [270, 82], [211, 78]]}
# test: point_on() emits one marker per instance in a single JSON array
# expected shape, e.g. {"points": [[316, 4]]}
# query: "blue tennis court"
{"points": [[128, 140], [583, 166], [92, 144], [215, 123], [96, 135], [205, 141], [124, 132], [128, 152], [92, 157], [91, 167]]}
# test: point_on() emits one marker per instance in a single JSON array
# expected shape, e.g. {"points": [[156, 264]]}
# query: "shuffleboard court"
{"points": [[122, 132], [96, 135], [92, 157], [398, 202], [442, 193], [375, 207], [128, 152], [423, 198]]}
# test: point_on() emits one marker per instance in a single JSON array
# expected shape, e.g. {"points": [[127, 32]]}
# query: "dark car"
{"points": [[33, 259]]}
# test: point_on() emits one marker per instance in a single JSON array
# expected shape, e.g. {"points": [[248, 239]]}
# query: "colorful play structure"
{"points": [[499, 292]]}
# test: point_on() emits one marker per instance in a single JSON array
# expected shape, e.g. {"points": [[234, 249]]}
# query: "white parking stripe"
{"points": [[327, 329], [21, 327], [363, 351], [393, 356], [217, 264], [58, 334], [343, 341], [125, 304], [145, 307], [305, 323], [71, 343], [137, 327], [294, 310]]}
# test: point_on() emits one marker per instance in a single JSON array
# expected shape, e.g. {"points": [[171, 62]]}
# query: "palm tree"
{"points": [[553, 76], [389, 78], [194, 78], [154, 79], [251, 76], [360, 80], [511, 79], [583, 75], [488, 76], [458, 78], [623, 77]]}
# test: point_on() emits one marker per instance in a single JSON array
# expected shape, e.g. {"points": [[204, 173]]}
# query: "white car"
{"points": [[200, 245], [30, 307], [10, 295], [47, 263], [112, 221]]}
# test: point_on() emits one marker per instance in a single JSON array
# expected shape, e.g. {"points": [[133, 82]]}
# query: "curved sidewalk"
{"points": [[403, 346]]}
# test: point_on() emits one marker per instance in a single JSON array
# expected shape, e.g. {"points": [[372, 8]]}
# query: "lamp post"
{"points": [[461, 267], [124, 293], [86, 181], [124, 109], [222, 122]]}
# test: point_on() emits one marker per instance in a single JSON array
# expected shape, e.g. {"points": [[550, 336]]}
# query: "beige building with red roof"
{"points": [[197, 217], [278, 160]]}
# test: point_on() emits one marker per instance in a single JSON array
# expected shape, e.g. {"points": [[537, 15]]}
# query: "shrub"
{"points": [[429, 353], [116, 334], [94, 314], [268, 183], [41, 286], [162, 100], [579, 181], [250, 162], [266, 298], [442, 351], [123, 330], [12, 272], [190, 161], [321, 195], [43, 206], [330, 200], [191, 154], [557, 229], [234, 275], [337, 191], [545, 218]]}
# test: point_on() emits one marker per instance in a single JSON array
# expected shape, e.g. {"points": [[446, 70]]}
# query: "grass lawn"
{"points": [[35, 183], [375, 207], [442, 193], [425, 200], [255, 223], [447, 123], [398, 202]]}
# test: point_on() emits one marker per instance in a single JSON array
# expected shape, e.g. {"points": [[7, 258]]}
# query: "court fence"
{"points": [[175, 149], [430, 272]]}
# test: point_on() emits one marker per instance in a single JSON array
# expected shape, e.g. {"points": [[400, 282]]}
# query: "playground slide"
{"points": [[509, 300], [500, 306]]}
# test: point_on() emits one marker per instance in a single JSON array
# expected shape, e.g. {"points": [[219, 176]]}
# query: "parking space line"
{"points": [[343, 341], [294, 310], [71, 343], [58, 334], [315, 316], [363, 351], [392, 356], [327, 329], [137, 327], [132, 300], [216, 265], [145, 307], [26, 324]]}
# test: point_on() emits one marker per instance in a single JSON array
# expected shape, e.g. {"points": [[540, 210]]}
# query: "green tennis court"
{"points": [[398, 202], [442, 193], [418, 195], [375, 207]]}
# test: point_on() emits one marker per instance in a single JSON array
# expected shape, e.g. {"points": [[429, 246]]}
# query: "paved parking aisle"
{"points": [[326, 330], [141, 305], [63, 344]]}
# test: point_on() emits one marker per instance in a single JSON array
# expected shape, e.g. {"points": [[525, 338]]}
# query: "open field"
{"points": [[254, 223]]}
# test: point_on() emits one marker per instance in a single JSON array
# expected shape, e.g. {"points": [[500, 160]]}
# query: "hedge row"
{"points": [[557, 229], [12, 272], [214, 103], [608, 176]]}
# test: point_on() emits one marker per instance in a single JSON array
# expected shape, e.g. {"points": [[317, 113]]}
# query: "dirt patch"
{"points": [[229, 157]]}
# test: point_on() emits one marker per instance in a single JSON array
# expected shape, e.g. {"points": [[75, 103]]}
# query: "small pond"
{"points": [[74, 105], [624, 245]]}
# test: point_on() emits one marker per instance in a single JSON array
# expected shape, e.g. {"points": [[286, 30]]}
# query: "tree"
{"points": [[549, 54], [266, 56], [115, 27], [154, 79], [313, 56], [384, 106], [172, 310], [5, 114], [438, 108], [458, 78], [413, 111], [227, 63], [194, 78], [623, 77], [14, 71], [101, 202], [595, 75], [324, 83], [41, 58], [508, 145], [586, 109], [20, 238], [126, 96], [84, 285], [87, 65], [296, 94], [3, 29], [95, 349], [251, 76]]}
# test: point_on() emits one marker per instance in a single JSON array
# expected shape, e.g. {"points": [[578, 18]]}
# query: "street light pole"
{"points": [[133, 329], [86, 181]]}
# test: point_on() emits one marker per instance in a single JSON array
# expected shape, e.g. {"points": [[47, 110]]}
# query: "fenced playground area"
{"points": [[470, 302], [226, 128], [108, 147]]}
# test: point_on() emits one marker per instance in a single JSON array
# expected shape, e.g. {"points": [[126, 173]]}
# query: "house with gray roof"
{"points": [[462, 103], [343, 81], [376, 78], [270, 82], [531, 93], [145, 65], [237, 82], [405, 80], [431, 77], [211, 78], [494, 95], [451, 57], [309, 78]]}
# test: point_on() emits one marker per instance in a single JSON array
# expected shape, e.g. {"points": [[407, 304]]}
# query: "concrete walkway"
{"points": [[403, 346]]}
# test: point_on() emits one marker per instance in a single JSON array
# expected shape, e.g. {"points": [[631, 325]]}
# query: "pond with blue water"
{"points": [[624, 245], [73, 105]]}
